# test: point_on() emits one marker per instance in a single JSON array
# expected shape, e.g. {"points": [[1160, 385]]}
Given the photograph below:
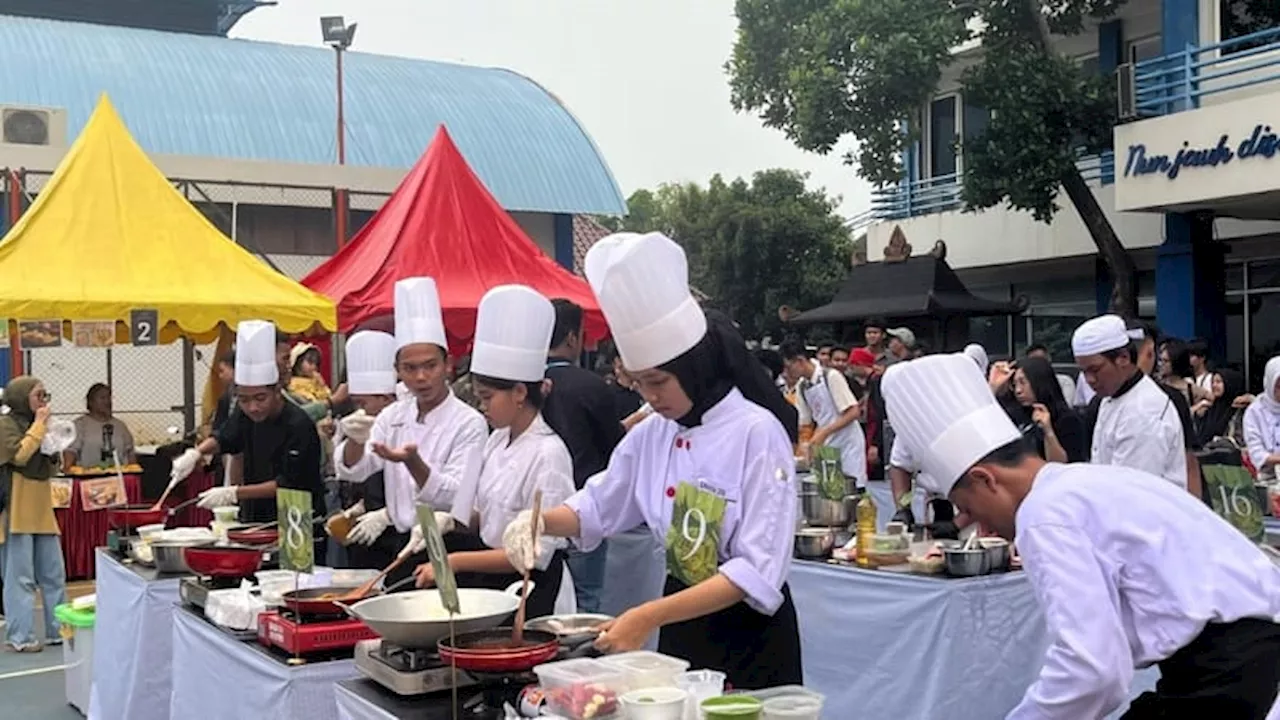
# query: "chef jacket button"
{"points": [[679, 442], [671, 492]]}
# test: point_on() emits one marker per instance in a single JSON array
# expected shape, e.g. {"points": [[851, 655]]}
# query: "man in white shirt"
{"points": [[1129, 571], [825, 395], [428, 446], [1138, 426], [1198, 356]]}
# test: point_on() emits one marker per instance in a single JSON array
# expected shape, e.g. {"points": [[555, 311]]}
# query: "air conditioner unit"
{"points": [[37, 126], [1126, 92]]}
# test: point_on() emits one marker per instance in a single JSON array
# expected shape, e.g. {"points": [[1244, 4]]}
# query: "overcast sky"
{"points": [[645, 78]]}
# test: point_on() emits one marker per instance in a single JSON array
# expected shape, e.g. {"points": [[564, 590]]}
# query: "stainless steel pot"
{"points": [[965, 563], [169, 556], [814, 543], [997, 553], [818, 510]]}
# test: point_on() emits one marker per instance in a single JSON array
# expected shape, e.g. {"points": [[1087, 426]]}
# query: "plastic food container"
{"points": [[731, 707], [226, 513], [700, 684], [645, 669], [658, 703], [793, 707], [580, 689]]}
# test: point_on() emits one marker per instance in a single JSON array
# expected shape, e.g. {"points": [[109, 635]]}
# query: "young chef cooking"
{"points": [[711, 473], [523, 455], [1129, 570], [371, 380], [1137, 424], [428, 446], [278, 442], [825, 393]]}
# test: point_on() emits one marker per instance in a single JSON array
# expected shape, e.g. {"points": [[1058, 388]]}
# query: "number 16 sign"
{"points": [[297, 547]]}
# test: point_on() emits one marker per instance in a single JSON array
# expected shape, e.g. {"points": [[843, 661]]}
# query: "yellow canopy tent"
{"points": [[109, 234]]}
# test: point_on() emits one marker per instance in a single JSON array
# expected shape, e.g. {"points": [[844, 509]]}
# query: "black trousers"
{"points": [[1231, 671], [755, 651]]}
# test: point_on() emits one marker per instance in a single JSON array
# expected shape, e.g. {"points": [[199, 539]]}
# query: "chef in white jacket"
{"points": [[1262, 424], [711, 473], [1138, 425], [1129, 570], [523, 455], [429, 446]]}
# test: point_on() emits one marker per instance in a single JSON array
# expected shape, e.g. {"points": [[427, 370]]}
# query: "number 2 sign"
{"points": [[143, 327]]}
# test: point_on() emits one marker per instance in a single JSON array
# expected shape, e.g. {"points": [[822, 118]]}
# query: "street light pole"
{"points": [[339, 36]]}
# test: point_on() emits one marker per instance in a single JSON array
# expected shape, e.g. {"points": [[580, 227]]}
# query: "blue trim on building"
{"points": [[564, 241], [210, 96]]}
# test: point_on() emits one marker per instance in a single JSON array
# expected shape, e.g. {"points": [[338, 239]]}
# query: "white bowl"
{"points": [[656, 703]]}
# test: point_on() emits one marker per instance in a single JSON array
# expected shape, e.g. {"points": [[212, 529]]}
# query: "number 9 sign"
{"points": [[688, 532]]}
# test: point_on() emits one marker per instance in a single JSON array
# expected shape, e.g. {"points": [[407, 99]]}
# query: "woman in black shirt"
{"points": [[1060, 433]]}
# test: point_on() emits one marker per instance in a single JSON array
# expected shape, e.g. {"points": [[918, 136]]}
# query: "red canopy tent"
{"points": [[441, 222]]}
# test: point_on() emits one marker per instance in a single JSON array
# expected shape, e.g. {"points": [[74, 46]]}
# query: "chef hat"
{"points": [[513, 332], [371, 363], [978, 354], [256, 354], [418, 318], [642, 284], [943, 409], [1101, 334]]}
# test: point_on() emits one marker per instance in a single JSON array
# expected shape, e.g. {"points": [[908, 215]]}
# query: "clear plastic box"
{"points": [[645, 669], [581, 689]]}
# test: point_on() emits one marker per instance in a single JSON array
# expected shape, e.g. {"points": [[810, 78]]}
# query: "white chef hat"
{"points": [[418, 317], [513, 331], [256, 354], [978, 354], [942, 407], [642, 284], [1101, 334], [371, 363]]}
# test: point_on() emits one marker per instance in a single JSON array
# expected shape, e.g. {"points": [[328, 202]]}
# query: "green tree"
{"points": [[821, 70], [752, 247]]}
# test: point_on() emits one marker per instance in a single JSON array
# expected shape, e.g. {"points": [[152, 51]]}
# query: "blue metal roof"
{"points": [[211, 96]]}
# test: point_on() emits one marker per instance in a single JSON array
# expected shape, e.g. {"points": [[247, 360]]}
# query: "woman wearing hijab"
{"points": [[522, 456], [29, 531], [1262, 424], [1219, 417], [1059, 434], [711, 473]]}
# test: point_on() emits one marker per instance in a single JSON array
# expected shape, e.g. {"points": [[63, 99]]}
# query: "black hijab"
{"points": [[720, 362], [1217, 418]]}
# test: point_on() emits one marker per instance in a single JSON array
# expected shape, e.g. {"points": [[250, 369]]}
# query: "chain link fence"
{"points": [[292, 229]]}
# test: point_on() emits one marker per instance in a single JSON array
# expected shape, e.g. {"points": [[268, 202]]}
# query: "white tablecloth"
{"points": [[132, 642], [217, 676], [353, 707]]}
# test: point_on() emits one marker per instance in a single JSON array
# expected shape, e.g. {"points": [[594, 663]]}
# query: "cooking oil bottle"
{"points": [[865, 516]]}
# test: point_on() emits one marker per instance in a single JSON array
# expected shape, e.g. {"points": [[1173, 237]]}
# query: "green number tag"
{"points": [[693, 540], [439, 557], [297, 543], [1233, 497]]}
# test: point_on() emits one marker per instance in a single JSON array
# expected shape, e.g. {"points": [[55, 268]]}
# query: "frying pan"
{"points": [[131, 517], [310, 602], [251, 536], [491, 650], [223, 561]]}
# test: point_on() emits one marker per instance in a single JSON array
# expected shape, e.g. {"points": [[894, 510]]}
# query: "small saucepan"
{"points": [[254, 536]]}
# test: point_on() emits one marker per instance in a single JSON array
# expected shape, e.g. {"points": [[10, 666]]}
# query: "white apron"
{"points": [[849, 441]]}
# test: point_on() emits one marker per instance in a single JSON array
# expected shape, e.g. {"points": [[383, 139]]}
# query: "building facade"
{"points": [[1202, 234]]}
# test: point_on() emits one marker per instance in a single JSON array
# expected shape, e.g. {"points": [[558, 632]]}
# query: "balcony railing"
{"points": [[1181, 80], [942, 193]]}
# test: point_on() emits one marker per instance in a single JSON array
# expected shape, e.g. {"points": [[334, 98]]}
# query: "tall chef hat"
{"points": [[944, 410], [1102, 334], [418, 318], [978, 354], [256, 354], [371, 363], [513, 332], [642, 283]]}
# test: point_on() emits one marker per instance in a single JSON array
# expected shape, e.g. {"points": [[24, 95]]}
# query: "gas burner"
{"points": [[194, 591], [408, 659], [496, 690], [311, 638], [300, 618], [408, 672]]}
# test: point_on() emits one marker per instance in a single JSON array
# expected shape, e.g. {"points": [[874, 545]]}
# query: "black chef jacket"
{"points": [[285, 448], [581, 410]]}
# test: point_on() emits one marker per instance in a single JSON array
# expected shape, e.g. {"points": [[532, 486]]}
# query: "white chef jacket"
{"points": [[740, 451], [1127, 570], [1261, 432], [450, 440], [826, 395], [512, 471], [1141, 430], [1068, 386], [1084, 392]]}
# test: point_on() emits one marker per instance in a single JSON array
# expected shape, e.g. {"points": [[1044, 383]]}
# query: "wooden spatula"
{"points": [[360, 592], [517, 632]]}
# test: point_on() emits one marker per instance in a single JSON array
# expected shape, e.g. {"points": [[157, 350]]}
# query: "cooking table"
{"points": [[132, 645], [218, 676], [363, 699]]}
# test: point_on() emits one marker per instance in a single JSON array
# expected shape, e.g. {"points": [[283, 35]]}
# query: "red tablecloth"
{"points": [[83, 531]]}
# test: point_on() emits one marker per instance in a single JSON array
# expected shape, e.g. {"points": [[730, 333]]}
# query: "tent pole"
{"points": [[16, 354]]}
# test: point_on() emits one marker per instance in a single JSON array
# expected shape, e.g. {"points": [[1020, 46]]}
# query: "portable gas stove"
{"points": [[407, 671], [301, 635], [194, 591]]}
